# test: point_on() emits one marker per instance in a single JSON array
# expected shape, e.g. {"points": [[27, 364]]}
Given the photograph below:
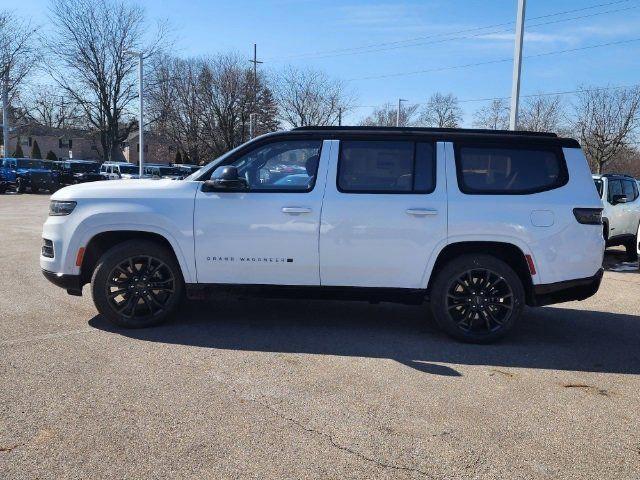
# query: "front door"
{"points": [[267, 234], [384, 213]]}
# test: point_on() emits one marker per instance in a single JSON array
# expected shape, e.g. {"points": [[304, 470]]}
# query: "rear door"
{"points": [[632, 207], [618, 223], [384, 213]]}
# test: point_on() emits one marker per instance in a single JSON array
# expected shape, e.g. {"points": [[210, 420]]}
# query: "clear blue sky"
{"points": [[286, 31]]}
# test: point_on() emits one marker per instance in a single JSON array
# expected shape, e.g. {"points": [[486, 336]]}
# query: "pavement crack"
{"points": [[8, 449], [341, 447]]}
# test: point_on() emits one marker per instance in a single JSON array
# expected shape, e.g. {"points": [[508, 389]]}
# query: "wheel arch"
{"points": [[510, 253], [103, 241]]}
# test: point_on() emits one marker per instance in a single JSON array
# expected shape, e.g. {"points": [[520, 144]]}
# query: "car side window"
{"points": [[377, 166], [629, 190], [290, 165], [615, 188], [509, 171]]}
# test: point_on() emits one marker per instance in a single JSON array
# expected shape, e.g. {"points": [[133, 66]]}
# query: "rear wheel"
{"points": [[632, 247], [137, 284], [477, 298]]}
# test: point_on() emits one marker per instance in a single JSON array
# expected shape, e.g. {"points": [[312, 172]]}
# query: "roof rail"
{"points": [[426, 130], [617, 175]]}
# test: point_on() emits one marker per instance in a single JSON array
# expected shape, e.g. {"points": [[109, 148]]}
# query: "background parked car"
{"points": [[164, 171], [188, 169], [71, 172], [119, 170], [620, 196], [28, 174]]}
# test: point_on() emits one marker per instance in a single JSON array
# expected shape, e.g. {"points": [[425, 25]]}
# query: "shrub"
{"points": [[35, 150]]}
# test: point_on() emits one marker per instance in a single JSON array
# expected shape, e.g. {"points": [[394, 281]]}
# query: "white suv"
{"points": [[479, 223], [120, 170], [621, 215]]}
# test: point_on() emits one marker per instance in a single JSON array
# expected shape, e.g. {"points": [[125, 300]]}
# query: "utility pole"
{"points": [[141, 115], [5, 114], [400, 100], [340, 116], [255, 62], [517, 66], [252, 124]]}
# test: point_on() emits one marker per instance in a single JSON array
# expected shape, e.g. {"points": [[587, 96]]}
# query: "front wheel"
{"points": [[137, 284], [632, 247], [477, 298]]}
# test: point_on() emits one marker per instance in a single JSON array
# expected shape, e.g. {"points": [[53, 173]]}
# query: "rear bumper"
{"points": [[71, 283], [559, 292]]}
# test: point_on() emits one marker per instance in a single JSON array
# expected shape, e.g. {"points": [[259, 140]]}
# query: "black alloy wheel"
{"points": [[137, 283], [479, 301], [477, 298], [140, 287]]}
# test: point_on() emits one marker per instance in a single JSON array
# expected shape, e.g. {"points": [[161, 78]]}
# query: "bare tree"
{"points": [[310, 97], [441, 111], [494, 116], [91, 61], [51, 107], [541, 114], [606, 121], [17, 48], [386, 116], [204, 105]]}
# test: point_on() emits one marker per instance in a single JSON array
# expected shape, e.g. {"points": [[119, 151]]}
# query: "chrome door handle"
{"points": [[295, 210], [421, 212]]}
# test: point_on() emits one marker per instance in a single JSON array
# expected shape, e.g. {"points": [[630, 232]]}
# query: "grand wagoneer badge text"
{"points": [[250, 259]]}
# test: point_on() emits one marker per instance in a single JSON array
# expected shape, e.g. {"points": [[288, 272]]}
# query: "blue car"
{"points": [[27, 173]]}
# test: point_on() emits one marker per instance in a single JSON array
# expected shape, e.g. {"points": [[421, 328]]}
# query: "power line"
{"points": [[490, 62], [531, 95], [403, 43]]}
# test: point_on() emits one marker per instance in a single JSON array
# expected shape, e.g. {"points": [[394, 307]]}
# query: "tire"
{"points": [[3, 189], [477, 298], [632, 247], [121, 271], [20, 186]]}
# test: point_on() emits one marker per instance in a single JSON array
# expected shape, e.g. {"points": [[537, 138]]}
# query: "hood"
{"points": [[119, 189]]}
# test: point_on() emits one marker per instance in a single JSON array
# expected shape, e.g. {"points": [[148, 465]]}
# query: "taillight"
{"points": [[588, 216]]}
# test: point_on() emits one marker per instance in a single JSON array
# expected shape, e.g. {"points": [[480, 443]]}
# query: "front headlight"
{"points": [[58, 208]]}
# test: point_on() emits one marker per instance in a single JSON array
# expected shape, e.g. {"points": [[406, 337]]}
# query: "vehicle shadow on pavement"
{"points": [[547, 338]]}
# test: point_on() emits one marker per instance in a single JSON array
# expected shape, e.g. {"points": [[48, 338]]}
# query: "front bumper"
{"points": [[578, 289], [71, 283]]}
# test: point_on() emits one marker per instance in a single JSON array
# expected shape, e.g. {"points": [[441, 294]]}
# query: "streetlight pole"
{"points": [[141, 115], [400, 100], [5, 114], [517, 66]]}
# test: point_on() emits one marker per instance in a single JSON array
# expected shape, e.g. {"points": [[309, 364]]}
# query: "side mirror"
{"points": [[619, 199], [225, 178]]}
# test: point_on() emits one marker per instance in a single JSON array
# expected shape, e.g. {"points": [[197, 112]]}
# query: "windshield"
{"points": [[171, 171], [23, 163], [205, 172], [599, 185], [83, 167], [129, 169]]}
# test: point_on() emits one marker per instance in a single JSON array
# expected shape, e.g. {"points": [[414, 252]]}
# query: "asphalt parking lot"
{"points": [[253, 388]]}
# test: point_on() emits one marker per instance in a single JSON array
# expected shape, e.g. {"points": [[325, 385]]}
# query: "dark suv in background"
{"points": [[71, 172], [27, 173]]}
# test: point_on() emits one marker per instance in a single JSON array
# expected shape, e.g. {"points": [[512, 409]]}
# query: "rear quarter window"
{"points": [[499, 170]]}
